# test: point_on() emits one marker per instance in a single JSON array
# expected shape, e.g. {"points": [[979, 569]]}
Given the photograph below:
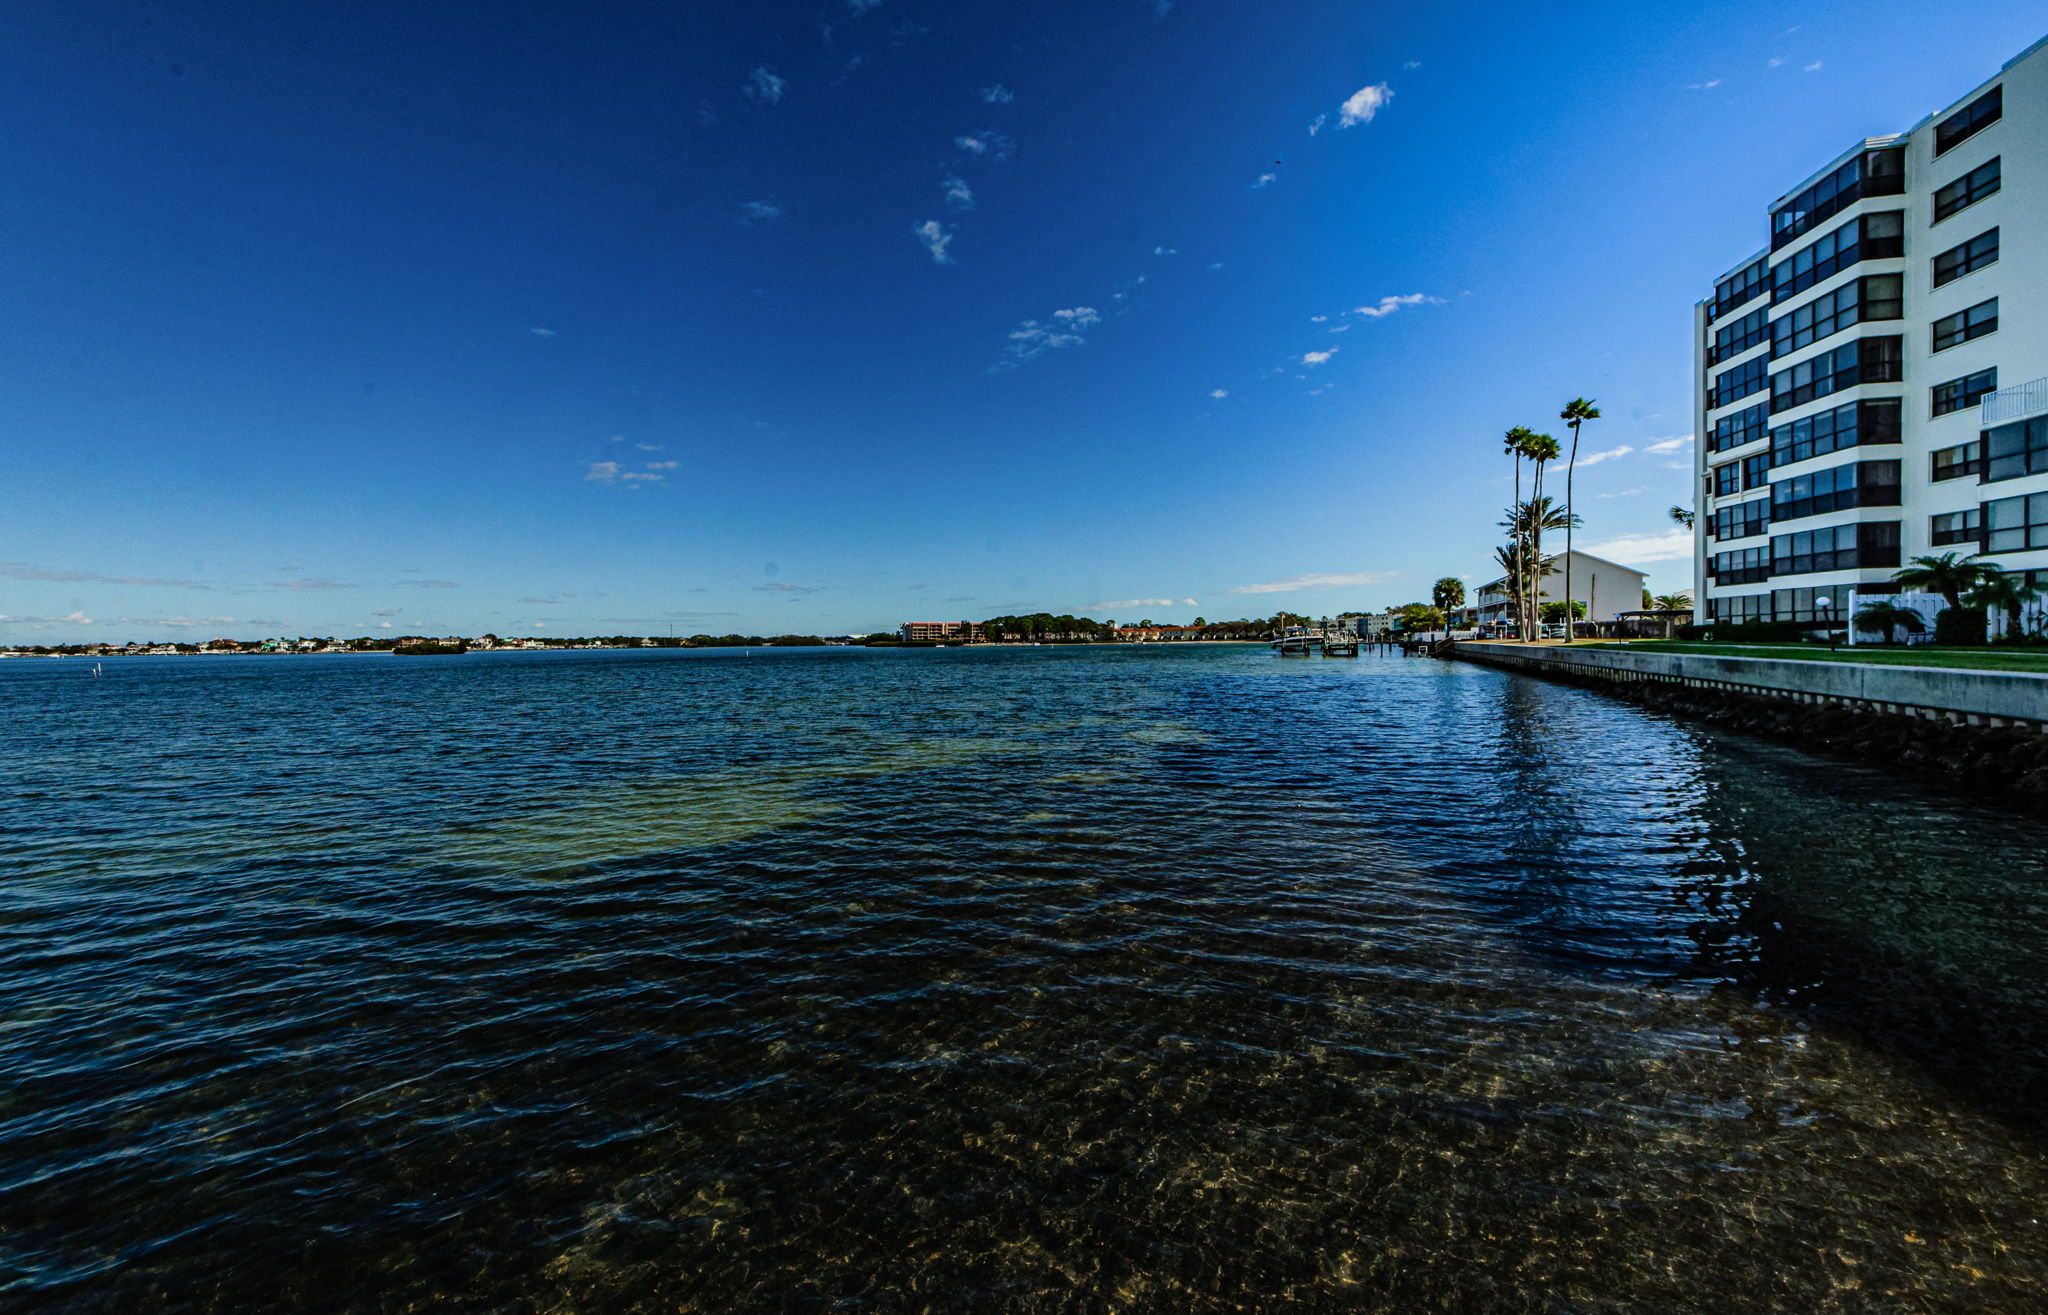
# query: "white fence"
{"points": [[2033, 617]]}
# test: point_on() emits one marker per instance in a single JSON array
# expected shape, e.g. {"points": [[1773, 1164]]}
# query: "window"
{"points": [[1742, 520], [1756, 470], [1856, 484], [1968, 121], [1864, 361], [1742, 427], [1959, 393], [1968, 190], [1870, 238], [1967, 258], [1874, 298], [1739, 381], [1741, 608], [1804, 604], [1839, 548], [1964, 325], [1727, 479], [1740, 286], [1857, 424], [2016, 524], [2020, 448], [1958, 461], [1743, 566], [1872, 173], [1740, 336], [1955, 527]]}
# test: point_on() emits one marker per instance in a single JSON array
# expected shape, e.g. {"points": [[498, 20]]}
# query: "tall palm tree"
{"points": [[1950, 574], [1680, 602], [2007, 594], [1449, 595], [1576, 412], [1682, 516], [1541, 449], [1516, 443]]}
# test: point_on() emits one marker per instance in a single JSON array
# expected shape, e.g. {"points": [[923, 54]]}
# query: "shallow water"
{"points": [[1052, 980]]}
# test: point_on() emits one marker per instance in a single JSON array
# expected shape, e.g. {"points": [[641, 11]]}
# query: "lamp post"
{"points": [[1825, 605]]}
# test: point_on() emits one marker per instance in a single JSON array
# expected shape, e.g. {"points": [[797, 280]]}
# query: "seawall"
{"points": [[1986, 728]]}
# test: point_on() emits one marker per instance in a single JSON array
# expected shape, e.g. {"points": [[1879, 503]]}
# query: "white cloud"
{"points": [[1413, 64], [1318, 581], [185, 622], [1813, 67], [386, 625], [1315, 125], [1388, 305], [1265, 180], [936, 238], [1219, 392], [542, 333], [69, 618], [1776, 61], [1708, 85], [1165, 251], [651, 479], [310, 584], [998, 94], [1665, 546], [1625, 493], [385, 611], [1317, 319], [764, 88], [23, 571], [994, 145], [1595, 458], [1216, 264], [602, 471], [1363, 104], [1670, 444], [1032, 339], [1126, 604], [958, 194], [648, 447], [760, 210], [1317, 358]]}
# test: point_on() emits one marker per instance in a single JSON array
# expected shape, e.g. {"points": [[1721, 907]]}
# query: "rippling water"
{"points": [[1046, 980]]}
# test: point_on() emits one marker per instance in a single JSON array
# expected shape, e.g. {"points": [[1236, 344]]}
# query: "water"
{"points": [[1055, 980]]}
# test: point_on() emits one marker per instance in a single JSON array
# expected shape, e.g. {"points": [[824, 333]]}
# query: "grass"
{"points": [[1975, 659]]}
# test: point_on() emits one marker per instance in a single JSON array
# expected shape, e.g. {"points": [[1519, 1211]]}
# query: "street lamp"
{"points": [[1825, 606]]}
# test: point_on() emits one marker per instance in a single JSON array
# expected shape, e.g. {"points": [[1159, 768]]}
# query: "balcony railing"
{"points": [[2020, 402]]}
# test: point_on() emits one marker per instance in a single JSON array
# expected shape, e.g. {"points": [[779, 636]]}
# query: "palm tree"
{"points": [[2006, 593], [1883, 617], [1682, 516], [1950, 575], [1576, 412], [1542, 449], [1680, 602], [1509, 555], [1449, 595], [1516, 443]]}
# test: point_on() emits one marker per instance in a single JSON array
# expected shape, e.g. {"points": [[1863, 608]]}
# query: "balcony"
{"points": [[2020, 402]]}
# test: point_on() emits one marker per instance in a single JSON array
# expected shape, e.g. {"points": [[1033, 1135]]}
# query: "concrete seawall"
{"points": [[1976, 698]]}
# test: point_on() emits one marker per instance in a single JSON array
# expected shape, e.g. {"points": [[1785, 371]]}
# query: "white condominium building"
{"points": [[1871, 384]]}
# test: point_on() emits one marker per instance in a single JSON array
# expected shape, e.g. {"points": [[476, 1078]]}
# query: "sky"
{"points": [[816, 318]]}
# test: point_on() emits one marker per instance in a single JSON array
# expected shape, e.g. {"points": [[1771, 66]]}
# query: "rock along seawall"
{"points": [[1986, 729]]}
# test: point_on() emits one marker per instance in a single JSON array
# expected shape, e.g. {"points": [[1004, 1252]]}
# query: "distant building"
{"points": [[919, 631], [1606, 588], [1159, 632]]}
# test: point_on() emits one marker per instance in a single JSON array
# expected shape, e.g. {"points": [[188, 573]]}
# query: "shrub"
{"points": [[1959, 626]]}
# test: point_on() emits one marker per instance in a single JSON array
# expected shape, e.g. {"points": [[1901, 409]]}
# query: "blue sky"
{"points": [[819, 317]]}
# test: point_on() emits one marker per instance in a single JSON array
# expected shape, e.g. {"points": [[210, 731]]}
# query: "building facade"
{"points": [[1870, 384], [923, 631], [1606, 588]]}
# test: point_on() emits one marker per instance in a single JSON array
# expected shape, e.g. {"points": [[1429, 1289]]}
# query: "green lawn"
{"points": [[1979, 659]]}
